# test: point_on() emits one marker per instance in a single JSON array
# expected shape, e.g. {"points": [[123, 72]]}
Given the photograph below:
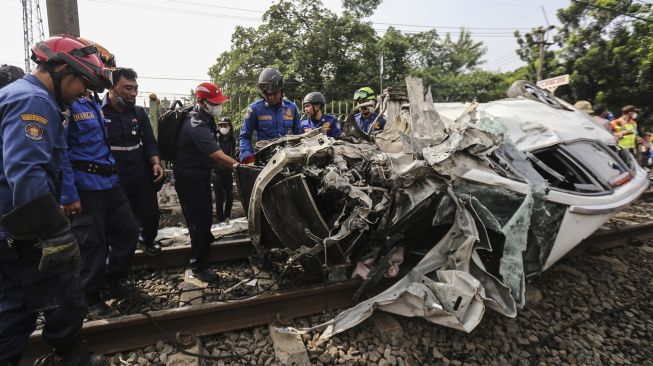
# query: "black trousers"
{"points": [[141, 193], [195, 198], [25, 291], [107, 233], [224, 195]]}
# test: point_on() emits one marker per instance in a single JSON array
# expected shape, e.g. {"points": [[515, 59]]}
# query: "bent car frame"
{"points": [[462, 202]]}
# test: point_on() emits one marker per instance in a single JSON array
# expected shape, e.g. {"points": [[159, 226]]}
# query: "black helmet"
{"points": [[270, 81], [225, 120], [314, 97], [9, 74]]}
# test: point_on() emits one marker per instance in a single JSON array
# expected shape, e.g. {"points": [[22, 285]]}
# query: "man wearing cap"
{"points": [[624, 129], [196, 154], [221, 177], [98, 208], [136, 152], [271, 117]]}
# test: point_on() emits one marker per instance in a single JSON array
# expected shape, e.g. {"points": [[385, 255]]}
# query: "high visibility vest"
{"points": [[626, 141]]}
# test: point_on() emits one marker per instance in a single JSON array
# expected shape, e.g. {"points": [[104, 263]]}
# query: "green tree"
{"points": [[607, 47]]}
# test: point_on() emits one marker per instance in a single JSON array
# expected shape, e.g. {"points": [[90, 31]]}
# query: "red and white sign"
{"points": [[553, 83]]}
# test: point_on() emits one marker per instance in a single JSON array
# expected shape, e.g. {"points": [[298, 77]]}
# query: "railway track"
{"points": [[140, 330]]}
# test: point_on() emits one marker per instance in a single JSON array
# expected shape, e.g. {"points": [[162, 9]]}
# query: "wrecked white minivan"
{"points": [[463, 202]]}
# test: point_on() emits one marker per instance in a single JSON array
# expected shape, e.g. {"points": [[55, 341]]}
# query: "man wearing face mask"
{"points": [[221, 177], [196, 154], [136, 152], [624, 129], [271, 117]]}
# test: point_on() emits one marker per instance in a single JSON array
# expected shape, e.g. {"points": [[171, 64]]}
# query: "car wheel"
{"points": [[522, 88]]}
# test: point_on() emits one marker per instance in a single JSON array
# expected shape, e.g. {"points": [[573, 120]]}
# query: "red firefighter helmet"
{"points": [[210, 92], [83, 60]]}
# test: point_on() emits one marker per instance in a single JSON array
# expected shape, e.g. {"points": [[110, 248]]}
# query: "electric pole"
{"points": [[540, 39], [63, 17]]}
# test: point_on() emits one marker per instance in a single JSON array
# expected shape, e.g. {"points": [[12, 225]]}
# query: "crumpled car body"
{"points": [[461, 202]]}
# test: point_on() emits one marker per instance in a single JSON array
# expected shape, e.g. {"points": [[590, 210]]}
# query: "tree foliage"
{"points": [[316, 49]]}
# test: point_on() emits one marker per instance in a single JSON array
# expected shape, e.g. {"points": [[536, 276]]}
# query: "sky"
{"points": [[172, 43]]}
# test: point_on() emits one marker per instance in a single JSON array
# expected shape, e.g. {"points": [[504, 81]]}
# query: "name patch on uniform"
{"points": [[34, 132], [35, 118], [265, 118], [83, 116]]}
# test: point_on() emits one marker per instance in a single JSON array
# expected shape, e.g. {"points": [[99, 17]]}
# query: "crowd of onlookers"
{"points": [[624, 129]]}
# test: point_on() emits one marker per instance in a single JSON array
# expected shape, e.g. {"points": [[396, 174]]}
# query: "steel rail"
{"points": [[138, 330]]}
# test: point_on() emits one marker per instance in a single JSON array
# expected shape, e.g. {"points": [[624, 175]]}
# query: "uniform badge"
{"points": [[288, 114], [34, 132], [248, 111], [35, 118], [326, 126]]}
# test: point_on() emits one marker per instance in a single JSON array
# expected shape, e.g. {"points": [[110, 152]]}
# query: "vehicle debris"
{"points": [[462, 201]]}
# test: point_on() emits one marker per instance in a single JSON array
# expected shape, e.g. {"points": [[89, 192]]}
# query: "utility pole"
{"points": [[540, 39], [63, 17]]}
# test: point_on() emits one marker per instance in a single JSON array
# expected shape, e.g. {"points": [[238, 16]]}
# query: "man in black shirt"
{"points": [[197, 152], [136, 152]]}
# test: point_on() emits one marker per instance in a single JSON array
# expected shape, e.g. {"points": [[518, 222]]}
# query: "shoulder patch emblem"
{"points": [[35, 118], [288, 114], [83, 116], [265, 118], [248, 111], [34, 132]]}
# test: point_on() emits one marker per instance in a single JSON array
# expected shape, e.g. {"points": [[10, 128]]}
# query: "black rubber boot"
{"points": [[72, 352]]}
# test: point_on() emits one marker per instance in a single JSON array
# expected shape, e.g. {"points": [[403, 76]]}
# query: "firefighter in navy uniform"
{"points": [[136, 152], [366, 98], [270, 117], [197, 152], [313, 104], [99, 211], [39, 254]]}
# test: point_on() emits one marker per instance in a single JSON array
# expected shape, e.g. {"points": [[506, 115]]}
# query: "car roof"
{"points": [[532, 125]]}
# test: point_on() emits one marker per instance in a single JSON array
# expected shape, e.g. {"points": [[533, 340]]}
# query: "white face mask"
{"points": [[634, 115], [214, 110], [224, 130]]}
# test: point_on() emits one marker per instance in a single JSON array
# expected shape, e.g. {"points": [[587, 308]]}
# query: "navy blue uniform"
{"points": [[222, 179], [192, 171], [106, 220], [32, 155], [364, 123], [269, 123], [132, 145], [330, 123]]}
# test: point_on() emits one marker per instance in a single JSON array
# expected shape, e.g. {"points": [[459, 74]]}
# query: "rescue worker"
{"points": [[624, 129], [313, 104], [366, 99], [271, 117], [99, 211], [39, 254], [9, 74], [600, 115], [222, 178], [136, 152], [197, 152]]}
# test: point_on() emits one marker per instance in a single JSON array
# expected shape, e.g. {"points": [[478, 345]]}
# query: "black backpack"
{"points": [[169, 124]]}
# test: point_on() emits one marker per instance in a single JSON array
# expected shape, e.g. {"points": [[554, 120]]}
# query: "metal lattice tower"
{"points": [[31, 27]]}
